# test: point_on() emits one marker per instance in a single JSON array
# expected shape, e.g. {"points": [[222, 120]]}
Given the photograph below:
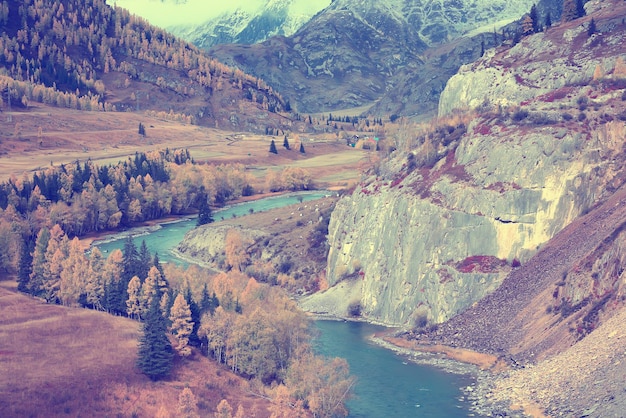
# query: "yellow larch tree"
{"points": [[182, 325]]}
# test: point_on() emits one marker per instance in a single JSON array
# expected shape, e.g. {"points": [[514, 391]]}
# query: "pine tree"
{"points": [[130, 260], [527, 26], [286, 143], [155, 354], [25, 265], [195, 318], [205, 302], [534, 16], [205, 215], [592, 27], [570, 11], [302, 148], [187, 404], [182, 325], [224, 410], [37, 275], [548, 20], [94, 287], [144, 261], [580, 8], [273, 149], [133, 304]]}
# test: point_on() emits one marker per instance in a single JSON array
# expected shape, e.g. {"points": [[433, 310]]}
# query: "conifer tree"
{"points": [[131, 259], [580, 8], [570, 11], [195, 318], [592, 27], [156, 263], [187, 404], [286, 143], [144, 261], [155, 351], [182, 326], [273, 149], [205, 215], [302, 148], [133, 304], [527, 26], [534, 16], [224, 410], [25, 265], [548, 20], [94, 287], [37, 275], [205, 302]]}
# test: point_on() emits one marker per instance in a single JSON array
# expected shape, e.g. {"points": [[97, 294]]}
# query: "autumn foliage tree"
{"points": [[182, 325]]}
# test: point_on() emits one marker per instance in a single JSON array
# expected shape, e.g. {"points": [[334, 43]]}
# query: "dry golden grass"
{"points": [[106, 138], [57, 361]]}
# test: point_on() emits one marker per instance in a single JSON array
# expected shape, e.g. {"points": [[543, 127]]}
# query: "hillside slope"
{"points": [[505, 232], [95, 57], [59, 361]]}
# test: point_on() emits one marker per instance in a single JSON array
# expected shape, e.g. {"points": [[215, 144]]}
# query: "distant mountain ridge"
{"points": [[245, 23], [352, 53]]}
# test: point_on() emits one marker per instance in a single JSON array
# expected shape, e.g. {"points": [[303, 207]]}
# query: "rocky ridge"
{"points": [[565, 55], [245, 26], [354, 53]]}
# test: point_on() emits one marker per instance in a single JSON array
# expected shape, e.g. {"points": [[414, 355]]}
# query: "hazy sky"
{"points": [[197, 11]]}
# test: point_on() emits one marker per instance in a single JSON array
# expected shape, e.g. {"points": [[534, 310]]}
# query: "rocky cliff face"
{"points": [[426, 246], [421, 244], [565, 55]]}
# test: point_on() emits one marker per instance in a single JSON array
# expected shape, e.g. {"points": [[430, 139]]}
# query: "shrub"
{"points": [[520, 115], [567, 116], [354, 309], [421, 320], [581, 117]]}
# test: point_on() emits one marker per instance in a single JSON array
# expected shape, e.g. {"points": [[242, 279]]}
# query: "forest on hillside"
{"points": [[85, 197], [59, 53], [252, 328]]}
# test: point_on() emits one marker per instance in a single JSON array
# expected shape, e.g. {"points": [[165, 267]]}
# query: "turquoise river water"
{"points": [[388, 385]]}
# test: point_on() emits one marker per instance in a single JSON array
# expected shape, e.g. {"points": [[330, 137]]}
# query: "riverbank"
{"points": [[486, 368], [152, 225]]}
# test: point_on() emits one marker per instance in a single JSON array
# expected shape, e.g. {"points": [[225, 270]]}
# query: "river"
{"points": [[388, 385]]}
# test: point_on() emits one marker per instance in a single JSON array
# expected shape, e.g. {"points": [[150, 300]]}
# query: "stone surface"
{"points": [[426, 243]]}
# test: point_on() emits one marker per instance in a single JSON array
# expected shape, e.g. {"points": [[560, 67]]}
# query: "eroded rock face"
{"points": [[563, 56], [427, 245]]}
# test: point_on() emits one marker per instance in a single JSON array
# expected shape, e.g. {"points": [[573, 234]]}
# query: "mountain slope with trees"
{"points": [[90, 56]]}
